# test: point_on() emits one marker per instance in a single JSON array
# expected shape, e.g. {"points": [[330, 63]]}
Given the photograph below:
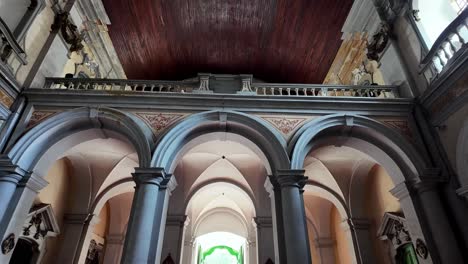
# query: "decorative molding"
{"points": [[5, 99], [159, 121], [394, 229], [8, 244], [39, 116], [401, 126], [286, 125], [447, 98]]}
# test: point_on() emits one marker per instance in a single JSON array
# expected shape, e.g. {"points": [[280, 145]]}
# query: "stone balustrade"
{"points": [[11, 52], [381, 91], [448, 48], [200, 86]]}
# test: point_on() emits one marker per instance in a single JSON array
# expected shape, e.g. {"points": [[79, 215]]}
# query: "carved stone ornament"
{"points": [[5, 99], [159, 121], [421, 249], [39, 116], [8, 244], [378, 43], [285, 124], [69, 31]]}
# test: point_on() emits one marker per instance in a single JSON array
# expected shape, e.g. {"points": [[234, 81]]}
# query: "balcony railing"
{"points": [[10, 50], [448, 48], [199, 86]]}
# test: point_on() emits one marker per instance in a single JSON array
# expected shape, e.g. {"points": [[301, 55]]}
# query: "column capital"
{"points": [[34, 182], [11, 172], [176, 220], [154, 176], [262, 221], [169, 183], [291, 178]]}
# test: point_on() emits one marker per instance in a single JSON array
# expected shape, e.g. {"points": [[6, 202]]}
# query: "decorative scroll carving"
{"points": [[285, 124], [39, 116], [421, 248], [159, 121], [69, 31], [5, 99], [8, 244], [379, 43]]}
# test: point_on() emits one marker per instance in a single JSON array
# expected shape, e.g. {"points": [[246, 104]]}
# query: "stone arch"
{"points": [[254, 129], [394, 152], [31, 147], [403, 163], [336, 200], [40, 146], [198, 188]]}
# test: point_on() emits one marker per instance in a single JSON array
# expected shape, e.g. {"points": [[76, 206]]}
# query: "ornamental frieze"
{"points": [[39, 116], [401, 126], [286, 124], [5, 99], [159, 121]]}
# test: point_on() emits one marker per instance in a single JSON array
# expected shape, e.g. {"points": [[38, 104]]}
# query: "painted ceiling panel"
{"points": [[276, 40]]}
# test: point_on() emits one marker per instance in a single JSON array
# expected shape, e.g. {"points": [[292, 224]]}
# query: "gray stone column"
{"points": [[438, 227], [174, 237], [265, 240], [427, 221], [292, 183], [10, 177], [141, 240], [18, 208], [277, 222]]}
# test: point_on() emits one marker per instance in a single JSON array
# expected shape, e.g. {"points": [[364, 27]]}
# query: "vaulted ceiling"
{"points": [[276, 40]]}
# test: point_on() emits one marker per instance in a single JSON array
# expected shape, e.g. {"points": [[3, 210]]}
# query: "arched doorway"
{"points": [[70, 161], [401, 162], [220, 191]]}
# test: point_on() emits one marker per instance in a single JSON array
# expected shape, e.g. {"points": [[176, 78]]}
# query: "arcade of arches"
{"points": [[216, 191]]}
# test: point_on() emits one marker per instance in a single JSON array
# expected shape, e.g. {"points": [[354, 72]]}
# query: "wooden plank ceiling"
{"points": [[275, 40]]}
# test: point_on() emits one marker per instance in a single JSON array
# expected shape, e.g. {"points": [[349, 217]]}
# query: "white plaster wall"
{"points": [[11, 11], [35, 40], [391, 67], [53, 64]]}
